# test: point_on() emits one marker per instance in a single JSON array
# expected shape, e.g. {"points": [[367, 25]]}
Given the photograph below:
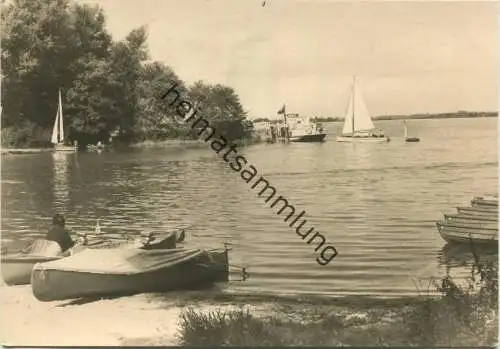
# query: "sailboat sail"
{"points": [[61, 126], [58, 129], [357, 118], [55, 139]]}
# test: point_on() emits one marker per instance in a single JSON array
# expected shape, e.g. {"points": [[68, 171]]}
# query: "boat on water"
{"points": [[485, 201], [304, 129], [16, 268], [409, 139], [57, 138], [358, 124], [127, 271], [466, 233], [478, 211], [470, 218]]}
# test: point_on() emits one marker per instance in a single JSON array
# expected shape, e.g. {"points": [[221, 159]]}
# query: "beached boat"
{"points": [[358, 124], [468, 233], [478, 211], [16, 268], [57, 138], [98, 273]]}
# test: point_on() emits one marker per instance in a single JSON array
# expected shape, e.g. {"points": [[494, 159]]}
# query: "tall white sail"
{"points": [[357, 113], [54, 139], [61, 126]]}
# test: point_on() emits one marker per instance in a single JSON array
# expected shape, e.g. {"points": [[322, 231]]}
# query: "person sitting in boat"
{"points": [[58, 233]]}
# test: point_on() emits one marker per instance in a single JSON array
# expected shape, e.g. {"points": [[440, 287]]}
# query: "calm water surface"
{"points": [[376, 203]]}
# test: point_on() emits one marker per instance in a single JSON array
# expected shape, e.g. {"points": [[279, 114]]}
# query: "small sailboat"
{"points": [[58, 131], [358, 124], [409, 139]]}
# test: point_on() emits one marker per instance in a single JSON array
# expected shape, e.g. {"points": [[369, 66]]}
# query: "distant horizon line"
{"points": [[456, 114]]}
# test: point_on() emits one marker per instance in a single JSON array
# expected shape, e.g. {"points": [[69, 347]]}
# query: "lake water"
{"points": [[376, 203]]}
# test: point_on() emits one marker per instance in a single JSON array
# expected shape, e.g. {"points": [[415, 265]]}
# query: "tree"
{"points": [[221, 106]]}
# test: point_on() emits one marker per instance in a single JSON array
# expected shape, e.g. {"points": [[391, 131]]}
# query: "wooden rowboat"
{"points": [[121, 271], [481, 201], [467, 233], [470, 218], [478, 211]]}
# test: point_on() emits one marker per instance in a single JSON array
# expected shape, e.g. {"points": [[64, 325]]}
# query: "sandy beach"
{"points": [[28, 322]]}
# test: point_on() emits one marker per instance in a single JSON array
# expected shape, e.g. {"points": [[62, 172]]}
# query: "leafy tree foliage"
{"points": [[109, 88]]}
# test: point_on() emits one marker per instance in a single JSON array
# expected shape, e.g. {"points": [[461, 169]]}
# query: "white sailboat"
{"points": [[358, 125], [409, 139], [58, 131]]}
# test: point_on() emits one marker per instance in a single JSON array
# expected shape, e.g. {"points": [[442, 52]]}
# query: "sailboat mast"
{"points": [[353, 101]]}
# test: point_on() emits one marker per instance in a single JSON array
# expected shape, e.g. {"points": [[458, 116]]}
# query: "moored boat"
{"points": [[122, 271], [478, 211], [485, 202], [467, 233], [302, 129], [470, 218]]}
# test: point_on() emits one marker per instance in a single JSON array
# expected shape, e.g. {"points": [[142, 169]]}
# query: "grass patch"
{"points": [[462, 315]]}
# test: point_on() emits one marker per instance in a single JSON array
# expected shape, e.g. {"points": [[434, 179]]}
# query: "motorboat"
{"points": [[127, 271], [16, 268]]}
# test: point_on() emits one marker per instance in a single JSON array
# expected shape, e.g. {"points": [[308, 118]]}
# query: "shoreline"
{"points": [[16, 151], [120, 315], [211, 318], [198, 143]]}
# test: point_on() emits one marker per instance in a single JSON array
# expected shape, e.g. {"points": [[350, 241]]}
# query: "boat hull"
{"points": [[16, 270], [65, 148], [309, 138], [466, 234], [470, 218], [362, 139], [51, 284], [478, 211], [482, 202]]}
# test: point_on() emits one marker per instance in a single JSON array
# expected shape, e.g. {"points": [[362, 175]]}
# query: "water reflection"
{"points": [[60, 180], [464, 255]]}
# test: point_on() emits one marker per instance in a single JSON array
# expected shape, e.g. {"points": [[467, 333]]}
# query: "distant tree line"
{"points": [[459, 114], [110, 89]]}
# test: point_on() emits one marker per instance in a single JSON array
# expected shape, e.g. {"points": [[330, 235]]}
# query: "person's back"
{"points": [[59, 234]]}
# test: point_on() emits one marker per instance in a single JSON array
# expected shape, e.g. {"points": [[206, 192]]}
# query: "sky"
{"points": [[408, 56]]}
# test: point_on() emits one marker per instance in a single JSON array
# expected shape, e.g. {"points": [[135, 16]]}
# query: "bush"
{"points": [[25, 135], [462, 315]]}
